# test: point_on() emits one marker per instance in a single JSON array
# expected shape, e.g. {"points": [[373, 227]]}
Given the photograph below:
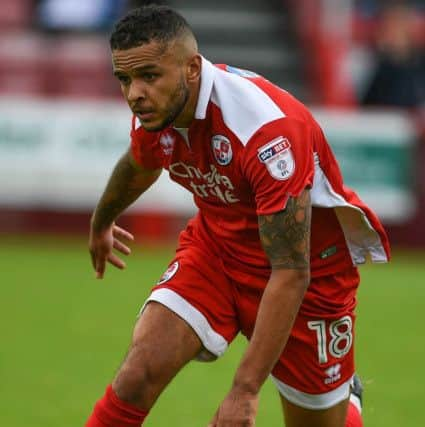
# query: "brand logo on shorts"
{"points": [[171, 271], [328, 252], [333, 374], [222, 149]]}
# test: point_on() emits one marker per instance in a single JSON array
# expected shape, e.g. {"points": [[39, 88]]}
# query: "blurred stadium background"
{"points": [[359, 64]]}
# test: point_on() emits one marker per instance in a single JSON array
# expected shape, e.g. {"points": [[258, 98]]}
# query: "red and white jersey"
{"points": [[250, 147]]}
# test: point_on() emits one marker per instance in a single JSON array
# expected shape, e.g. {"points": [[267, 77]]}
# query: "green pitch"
{"points": [[63, 335]]}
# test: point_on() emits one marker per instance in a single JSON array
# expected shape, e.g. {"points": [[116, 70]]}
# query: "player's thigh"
{"points": [[296, 416], [168, 340], [162, 344]]}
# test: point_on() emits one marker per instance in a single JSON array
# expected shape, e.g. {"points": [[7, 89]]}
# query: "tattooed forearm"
{"points": [[286, 235], [125, 185]]}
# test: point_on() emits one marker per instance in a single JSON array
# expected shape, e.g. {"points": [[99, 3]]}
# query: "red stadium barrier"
{"points": [[83, 66], [23, 59], [15, 14], [325, 48]]}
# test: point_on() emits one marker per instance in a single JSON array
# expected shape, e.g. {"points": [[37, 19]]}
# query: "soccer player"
{"points": [[271, 253]]}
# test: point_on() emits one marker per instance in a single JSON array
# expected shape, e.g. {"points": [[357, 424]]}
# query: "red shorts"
{"points": [[317, 364]]}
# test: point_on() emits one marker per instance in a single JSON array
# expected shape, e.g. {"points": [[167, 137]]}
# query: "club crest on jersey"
{"points": [[169, 273], [222, 149], [278, 158]]}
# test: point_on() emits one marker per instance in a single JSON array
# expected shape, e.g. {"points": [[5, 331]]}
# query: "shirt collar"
{"points": [[207, 81]]}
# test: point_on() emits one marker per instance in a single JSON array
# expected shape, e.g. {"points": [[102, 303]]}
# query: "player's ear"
{"points": [[193, 68]]}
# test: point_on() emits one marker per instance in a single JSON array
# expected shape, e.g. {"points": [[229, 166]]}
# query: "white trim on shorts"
{"points": [[313, 401], [210, 339]]}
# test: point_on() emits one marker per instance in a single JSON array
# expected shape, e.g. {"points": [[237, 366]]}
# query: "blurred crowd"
{"points": [[356, 54], [82, 15], [394, 35], [65, 15], [59, 48]]}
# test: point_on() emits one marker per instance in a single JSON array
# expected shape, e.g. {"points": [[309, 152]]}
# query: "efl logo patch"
{"points": [[278, 158], [171, 271], [222, 149]]}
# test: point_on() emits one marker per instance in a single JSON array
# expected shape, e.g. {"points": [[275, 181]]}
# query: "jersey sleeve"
{"points": [[145, 147], [278, 163]]}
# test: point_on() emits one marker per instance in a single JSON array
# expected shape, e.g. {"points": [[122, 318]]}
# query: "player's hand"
{"points": [[238, 409], [101, 245]]}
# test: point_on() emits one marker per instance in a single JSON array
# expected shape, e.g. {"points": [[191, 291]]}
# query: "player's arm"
{"points": [[285, 237], [127, 182]]}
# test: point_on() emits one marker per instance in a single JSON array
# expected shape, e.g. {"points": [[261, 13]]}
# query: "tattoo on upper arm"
{"points": [[286, 235]]}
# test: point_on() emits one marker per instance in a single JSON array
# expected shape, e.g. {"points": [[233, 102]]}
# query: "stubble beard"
{"points": [[178, 101]]}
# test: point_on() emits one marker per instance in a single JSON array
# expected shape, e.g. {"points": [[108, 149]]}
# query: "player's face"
{"points": [[154, 83]]}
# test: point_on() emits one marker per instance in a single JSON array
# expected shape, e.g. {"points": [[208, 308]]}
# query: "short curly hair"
{"points": [[147, 23]]}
